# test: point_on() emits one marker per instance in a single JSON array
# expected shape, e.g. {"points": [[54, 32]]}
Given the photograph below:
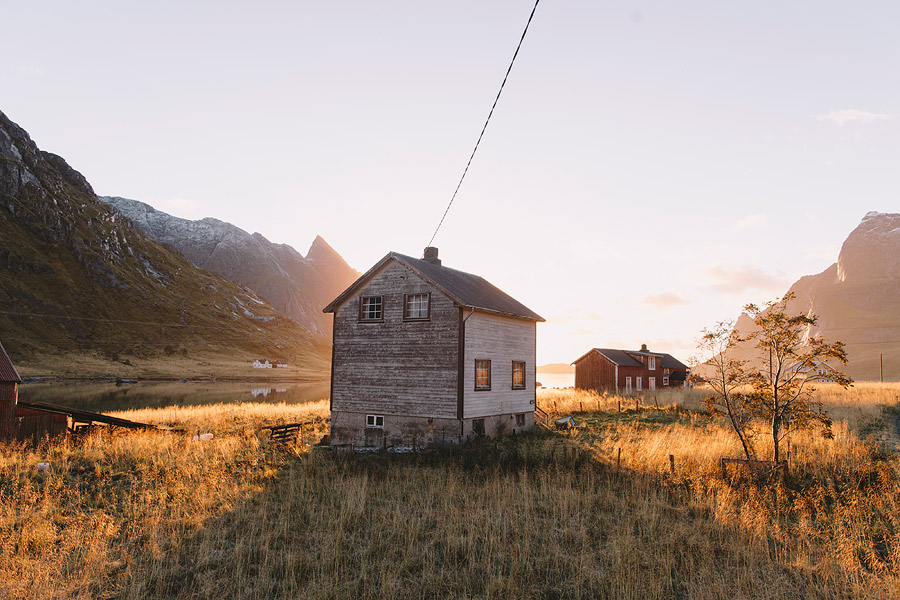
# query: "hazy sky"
{"points": [[650, 168]]}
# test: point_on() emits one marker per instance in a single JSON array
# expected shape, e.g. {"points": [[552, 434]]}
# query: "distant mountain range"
{"points": [[857, 299], [78, 278], [297, 286]]}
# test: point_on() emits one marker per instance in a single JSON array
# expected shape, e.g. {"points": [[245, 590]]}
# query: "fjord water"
{"points": [[109, 396]]}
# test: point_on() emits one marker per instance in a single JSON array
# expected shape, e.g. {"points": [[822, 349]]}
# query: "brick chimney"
{"points": [[644, 348], [431, 256]]}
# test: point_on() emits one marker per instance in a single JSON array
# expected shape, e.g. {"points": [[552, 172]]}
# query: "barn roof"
{"points": [[624, 358], [8, 372], [465, 289], [670, 362]]}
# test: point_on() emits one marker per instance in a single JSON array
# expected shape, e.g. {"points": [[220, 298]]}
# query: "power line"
{"points": [[488, 120], [67, 318]]}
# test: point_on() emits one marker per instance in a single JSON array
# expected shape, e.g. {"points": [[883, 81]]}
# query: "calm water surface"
{"points": [[556, 380], [108, 396]]}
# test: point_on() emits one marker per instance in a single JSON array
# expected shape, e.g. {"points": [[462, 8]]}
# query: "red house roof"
{"points": [[8, 373]]}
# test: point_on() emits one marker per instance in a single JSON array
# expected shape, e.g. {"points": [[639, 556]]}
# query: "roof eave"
{"points": [[537, 318]]}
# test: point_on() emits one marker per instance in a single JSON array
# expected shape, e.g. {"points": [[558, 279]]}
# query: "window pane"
{"points": [[482, 374], [416, 306], [518, 374], [371, 308]]}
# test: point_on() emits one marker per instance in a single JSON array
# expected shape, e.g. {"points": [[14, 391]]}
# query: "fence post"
{"points": [[672, 463], [656, 401], [620, 404], [618, 459], [635, 404], [302, 443]]}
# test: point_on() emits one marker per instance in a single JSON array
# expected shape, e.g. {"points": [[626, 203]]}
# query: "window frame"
{"points": [[665, 382], [628, 384], [483, 388], [520, 419], [406, 298], [478, 424], [651, 383], [361, 315], [639, 384], [374, 421], [524, 384], [651, 363]]}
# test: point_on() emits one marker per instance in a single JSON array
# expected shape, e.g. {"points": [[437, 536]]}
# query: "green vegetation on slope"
{"points": [[82, 284]]}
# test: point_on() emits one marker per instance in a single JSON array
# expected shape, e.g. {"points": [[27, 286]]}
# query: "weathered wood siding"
{"points": [[595, 372], [500, 340], [8, 397], [396, 367]]}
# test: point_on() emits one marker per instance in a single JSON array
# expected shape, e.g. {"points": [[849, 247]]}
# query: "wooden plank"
{"points": [[84, 416]]}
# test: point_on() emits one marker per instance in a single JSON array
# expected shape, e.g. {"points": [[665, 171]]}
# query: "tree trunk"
{"points": [[740, 433], [776, 431]]}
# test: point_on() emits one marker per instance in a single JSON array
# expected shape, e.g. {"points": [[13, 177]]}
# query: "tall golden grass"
{"points": [[142, 514]]}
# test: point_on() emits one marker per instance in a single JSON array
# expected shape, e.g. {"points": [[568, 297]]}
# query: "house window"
{"points": [[478, 426], [518, 375], [651, 383], [375, 421], [628, 385], [665, 381], [666, 371], [651, 363], [482, 374], [637, 383], [416, 306], [371, 308], [520, 420]]}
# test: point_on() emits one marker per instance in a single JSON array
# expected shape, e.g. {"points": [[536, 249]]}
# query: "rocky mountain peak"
{"points": [[872, 251], [296, 285]]}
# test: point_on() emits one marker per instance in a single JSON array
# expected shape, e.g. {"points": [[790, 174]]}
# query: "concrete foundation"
{"points": [[421, 432]]}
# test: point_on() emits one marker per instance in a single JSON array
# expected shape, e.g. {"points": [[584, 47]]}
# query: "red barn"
{"points": [[9, 395], [22, 423], [627, 371]]}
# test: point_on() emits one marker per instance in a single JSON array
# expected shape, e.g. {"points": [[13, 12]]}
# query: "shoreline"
{"points": [[31, 379]]}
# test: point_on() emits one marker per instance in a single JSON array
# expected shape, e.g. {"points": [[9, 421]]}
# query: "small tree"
{"points": [[729, 379], [782, 387]]}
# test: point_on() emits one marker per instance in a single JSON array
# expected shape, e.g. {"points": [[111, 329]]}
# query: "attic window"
{"points": [[482, 375], [417, 307], [371, 308], [651, 363]]}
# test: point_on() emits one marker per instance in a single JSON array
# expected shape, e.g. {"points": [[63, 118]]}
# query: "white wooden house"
{"points": [[424, 354], [262, 363]]}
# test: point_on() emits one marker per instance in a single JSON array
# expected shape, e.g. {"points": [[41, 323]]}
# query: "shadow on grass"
{"points": [[537, 515]]}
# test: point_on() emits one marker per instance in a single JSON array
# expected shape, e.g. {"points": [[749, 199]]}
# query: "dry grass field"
{"points": [[131, 514]]}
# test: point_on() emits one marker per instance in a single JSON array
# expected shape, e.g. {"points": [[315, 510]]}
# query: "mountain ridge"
{"points": [[80, 279], [297, 286], [856, 299]]}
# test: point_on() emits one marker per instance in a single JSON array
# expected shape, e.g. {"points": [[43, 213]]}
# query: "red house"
{"points": [[627, 371], [9, 395]]}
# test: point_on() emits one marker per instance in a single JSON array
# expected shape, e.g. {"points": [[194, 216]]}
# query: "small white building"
{"points": [[262, 363]]}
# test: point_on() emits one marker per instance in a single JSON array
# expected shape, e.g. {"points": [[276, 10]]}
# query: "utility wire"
{"points": [[488, 120]]}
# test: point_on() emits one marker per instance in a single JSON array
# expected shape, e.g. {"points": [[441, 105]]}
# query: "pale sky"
{"points": [[650, 168]]}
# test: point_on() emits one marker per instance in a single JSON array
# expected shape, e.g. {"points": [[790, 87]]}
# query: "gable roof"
{"points": [[670, 362], [465, 289], [8, 372], [624, 358], [616, 357]]}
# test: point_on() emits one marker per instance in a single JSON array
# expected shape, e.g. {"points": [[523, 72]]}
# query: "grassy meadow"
{"points": [[591, 512]]}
